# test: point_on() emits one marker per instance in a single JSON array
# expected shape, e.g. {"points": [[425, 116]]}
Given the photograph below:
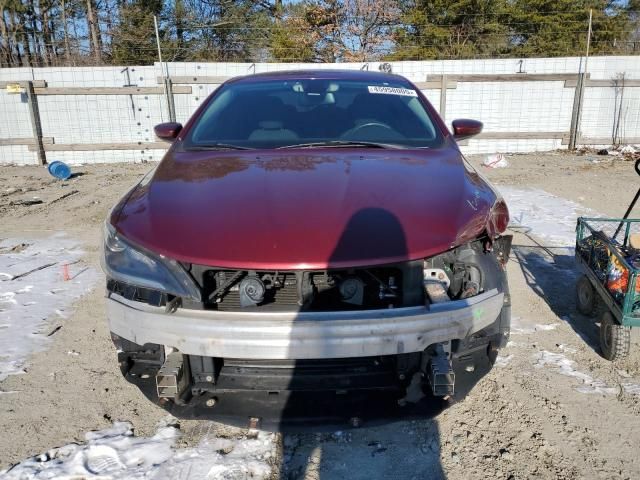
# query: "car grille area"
{"points": [[229, 374], [328, 290]]}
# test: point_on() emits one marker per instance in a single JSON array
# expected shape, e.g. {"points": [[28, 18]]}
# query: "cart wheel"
{"points": [[585, 296], [614, 338]]}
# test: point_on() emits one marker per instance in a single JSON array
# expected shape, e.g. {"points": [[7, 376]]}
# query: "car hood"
{"points": [[297, 209]]}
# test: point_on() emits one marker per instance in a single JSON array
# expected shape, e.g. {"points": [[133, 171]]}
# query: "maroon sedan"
{"points": [[313, 234]]}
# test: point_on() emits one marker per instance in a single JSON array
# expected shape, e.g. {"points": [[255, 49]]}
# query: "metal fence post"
{"points": [[574, 131], [168, 92], [36, 125], [443, 96], [168, 88], [578, 99]]}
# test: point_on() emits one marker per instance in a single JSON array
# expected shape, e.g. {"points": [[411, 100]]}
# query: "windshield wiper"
{"points": [[342, 143], [216, 146]]}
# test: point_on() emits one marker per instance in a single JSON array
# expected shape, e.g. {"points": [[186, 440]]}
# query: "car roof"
{"points": [[329, 74]]}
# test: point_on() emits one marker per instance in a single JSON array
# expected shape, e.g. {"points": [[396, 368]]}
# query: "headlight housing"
{"points": [[134, 265]]}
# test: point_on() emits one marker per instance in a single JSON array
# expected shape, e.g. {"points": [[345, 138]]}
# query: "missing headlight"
{"points": [[462, 272]]}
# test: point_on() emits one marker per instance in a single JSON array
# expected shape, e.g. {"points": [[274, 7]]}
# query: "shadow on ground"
{"points": [[408, 450], [367, 452], [552, 273]]}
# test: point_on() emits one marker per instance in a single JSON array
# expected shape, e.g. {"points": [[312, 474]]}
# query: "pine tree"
{"points": [[559, 27], [522, 28], [451, 29], [134, 40]]}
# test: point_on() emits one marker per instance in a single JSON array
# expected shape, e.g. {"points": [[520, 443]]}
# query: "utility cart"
{"points": [[608, 253]]}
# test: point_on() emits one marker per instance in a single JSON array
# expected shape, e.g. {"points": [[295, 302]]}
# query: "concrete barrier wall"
{"points": [[90, 126]]}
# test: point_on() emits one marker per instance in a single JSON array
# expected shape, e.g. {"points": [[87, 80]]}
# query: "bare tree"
{"points": [[366, 30], [65, 32], [95, 39], [6, 47]]}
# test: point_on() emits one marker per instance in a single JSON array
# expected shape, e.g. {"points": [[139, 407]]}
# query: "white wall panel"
{"points": [[541, 106]]}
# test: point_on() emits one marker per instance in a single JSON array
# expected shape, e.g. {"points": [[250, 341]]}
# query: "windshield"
{"points": [[279, 113]]}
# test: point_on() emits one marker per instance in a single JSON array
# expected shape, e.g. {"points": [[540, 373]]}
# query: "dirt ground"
{"points": [[536, 415]]}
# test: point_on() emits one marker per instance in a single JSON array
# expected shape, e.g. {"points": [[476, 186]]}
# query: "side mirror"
{"points": [[465, 128], [168, 131]]}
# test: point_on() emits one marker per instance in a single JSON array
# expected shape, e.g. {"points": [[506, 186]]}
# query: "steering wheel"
{"points": [[370, 125]]}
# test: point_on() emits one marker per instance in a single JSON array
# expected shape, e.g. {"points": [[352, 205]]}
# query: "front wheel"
{"points": [[615, 340]]}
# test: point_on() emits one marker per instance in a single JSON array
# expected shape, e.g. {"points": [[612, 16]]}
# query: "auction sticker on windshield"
{"points": [[405, 92]]}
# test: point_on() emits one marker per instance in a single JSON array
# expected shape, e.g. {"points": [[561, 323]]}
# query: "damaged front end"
{"points": [[257, 344]]}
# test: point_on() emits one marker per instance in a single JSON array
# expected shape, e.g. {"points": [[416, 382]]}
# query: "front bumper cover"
{"points": [[303, 335]]}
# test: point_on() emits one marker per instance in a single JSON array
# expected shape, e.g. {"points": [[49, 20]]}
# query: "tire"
{"points": [[615, 340], [585, 297]]}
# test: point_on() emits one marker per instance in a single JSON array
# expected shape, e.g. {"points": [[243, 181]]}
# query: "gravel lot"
{"points": [[551, 408]]}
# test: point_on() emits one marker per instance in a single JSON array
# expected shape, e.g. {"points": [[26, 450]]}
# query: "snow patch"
{"points": [[115, 453], [502, 362], [566, 348], [522, 326], [546, 216], [631, 388], [33, 290], [567, 367], [538, 327]]}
